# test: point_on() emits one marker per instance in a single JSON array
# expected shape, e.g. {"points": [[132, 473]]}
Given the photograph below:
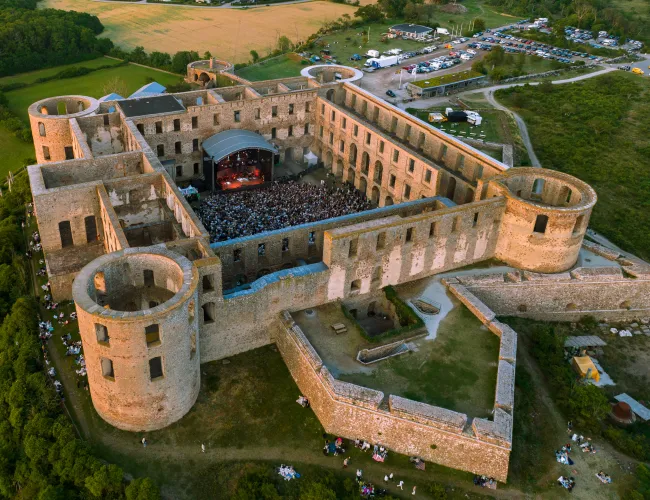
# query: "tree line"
{"points": [[33, 38], [40, 454], [594, 15]]}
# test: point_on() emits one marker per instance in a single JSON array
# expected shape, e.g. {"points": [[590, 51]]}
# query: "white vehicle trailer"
{"points": [[384, 62]]}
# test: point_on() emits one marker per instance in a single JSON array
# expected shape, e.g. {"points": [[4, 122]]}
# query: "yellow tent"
{"points": [[582, 364]]}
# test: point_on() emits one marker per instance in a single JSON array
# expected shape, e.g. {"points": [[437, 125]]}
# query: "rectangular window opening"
{"points": [[353, 247], [152, 335], [155, 368]]}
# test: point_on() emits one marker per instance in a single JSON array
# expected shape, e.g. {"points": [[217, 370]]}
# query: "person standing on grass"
{"points": [[401, 485], [414, 487], [346, 462], [202, 447], [144, 442]]}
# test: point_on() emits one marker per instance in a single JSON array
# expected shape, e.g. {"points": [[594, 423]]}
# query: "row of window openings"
{"points": [[151, 332], [155, 368], [195, 120], [160, 148], [69, 153], [541, 224], [410, 234], [65, 231], [460, 165], [261, 248], [179, 170]]}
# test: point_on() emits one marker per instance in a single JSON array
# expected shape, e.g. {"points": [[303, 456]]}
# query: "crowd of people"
{"points": [[233, 215]]}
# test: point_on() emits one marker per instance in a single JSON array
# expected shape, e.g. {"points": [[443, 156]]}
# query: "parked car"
{"points": [[390, 93]]}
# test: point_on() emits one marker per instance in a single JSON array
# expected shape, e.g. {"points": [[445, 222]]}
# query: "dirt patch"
{"points": [[453, 8]]}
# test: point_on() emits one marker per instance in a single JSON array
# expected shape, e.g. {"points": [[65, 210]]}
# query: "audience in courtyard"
{"points": [[232, 215]]}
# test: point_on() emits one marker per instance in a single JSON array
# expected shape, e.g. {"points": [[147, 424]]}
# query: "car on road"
{"points": [[390, 93]]}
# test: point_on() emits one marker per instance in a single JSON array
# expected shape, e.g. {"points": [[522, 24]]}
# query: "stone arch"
{"points": [[44, 110], [352, 158], [538, 188], [330, 95], [41, 129], [329, 158], [541, 221], [379, 172], [196, 77], [522, 308], [338, 171], [288, 154], [61, 108], [363, 185], [80, 106], [350, 178], [388, 202], [451, 188], [365, 163], [374, 196], [204, 78], [469, 195], [240, 279]]}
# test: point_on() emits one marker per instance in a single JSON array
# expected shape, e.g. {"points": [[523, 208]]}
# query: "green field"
{"points": [[277, 67], [31, 76], [457, 370], [89, 85], [491, 127], [14, 151]]}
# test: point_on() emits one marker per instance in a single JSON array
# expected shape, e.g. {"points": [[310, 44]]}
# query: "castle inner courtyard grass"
{"points": [[457, 370]]}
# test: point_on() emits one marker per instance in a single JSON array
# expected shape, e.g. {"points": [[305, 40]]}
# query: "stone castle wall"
{"points": [[598, 292], [435, 434]]}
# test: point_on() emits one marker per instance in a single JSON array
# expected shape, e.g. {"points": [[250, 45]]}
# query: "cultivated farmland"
{"points": [[227, 33]]}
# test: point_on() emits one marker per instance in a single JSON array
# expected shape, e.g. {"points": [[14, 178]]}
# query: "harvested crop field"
{"points": [[227, 33]]}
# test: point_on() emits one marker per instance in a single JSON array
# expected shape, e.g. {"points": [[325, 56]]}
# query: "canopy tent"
{"points": [[310, 159], [583, 365], [228, 142]]}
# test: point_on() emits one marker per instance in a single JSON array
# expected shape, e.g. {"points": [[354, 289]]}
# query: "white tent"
{"points": [[310, 159]]}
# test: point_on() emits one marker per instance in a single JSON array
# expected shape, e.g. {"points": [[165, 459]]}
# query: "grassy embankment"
{"points": [[597, 130]]}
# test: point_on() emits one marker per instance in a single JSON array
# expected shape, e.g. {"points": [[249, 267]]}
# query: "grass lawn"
{"points": [[31, 76], [597, 130], [457, 370], [89, 85], [277, 67], [491, 127], [14, 151], [476, 8]]}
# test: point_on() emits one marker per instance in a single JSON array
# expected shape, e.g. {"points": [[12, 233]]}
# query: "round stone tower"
{"points": [[546, 216], [50, 123], [139, 327]]}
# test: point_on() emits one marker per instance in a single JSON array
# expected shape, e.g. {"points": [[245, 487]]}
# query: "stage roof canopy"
{"points": [[228, 142]]}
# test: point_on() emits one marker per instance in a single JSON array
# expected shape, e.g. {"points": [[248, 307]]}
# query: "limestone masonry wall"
{"points": [[601, 293], [406, 427]]}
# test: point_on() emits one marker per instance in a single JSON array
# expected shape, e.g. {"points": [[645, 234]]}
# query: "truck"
{"points": [[382, 62], [372, 53]]}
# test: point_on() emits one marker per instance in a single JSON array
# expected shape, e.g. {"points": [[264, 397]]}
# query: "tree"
{"points": [[255, 56], [182, 59], [142, 489], [316, 491], [369, 13], [393, 8], [284, 44], [115, 85], [207, 54], [479, 25]]}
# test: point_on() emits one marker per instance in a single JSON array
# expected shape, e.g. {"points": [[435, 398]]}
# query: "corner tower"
{"points": [[545, 219], [50, 123], [139, 327]]}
